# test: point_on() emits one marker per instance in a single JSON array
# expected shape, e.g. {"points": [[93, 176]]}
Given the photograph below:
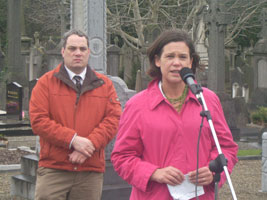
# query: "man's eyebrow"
{"points": [[71, 46]]}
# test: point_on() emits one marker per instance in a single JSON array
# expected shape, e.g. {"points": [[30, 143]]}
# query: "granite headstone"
{"points": [[14, 92]]}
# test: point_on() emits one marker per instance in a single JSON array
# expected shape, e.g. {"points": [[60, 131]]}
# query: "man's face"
{"points": [[76, 53]]}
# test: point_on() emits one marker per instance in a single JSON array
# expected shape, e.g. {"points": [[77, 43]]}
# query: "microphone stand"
{"points": [[220, 163]]}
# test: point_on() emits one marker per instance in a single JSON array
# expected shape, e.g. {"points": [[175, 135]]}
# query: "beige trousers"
{"points": [[53, 184]]}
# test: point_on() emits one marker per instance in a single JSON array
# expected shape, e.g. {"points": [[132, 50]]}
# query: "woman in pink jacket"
{"points": [[156, 144]]}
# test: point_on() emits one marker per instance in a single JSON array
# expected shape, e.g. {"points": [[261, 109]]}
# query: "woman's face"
{"points": [[175, 56]]}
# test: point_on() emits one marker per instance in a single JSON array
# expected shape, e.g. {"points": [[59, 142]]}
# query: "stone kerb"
{"points": [[264, 162]]}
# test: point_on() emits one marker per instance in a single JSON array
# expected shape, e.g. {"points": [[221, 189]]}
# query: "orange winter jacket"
{"points": [[57, 112]]}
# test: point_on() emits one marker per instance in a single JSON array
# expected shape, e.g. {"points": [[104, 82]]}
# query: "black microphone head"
{"points": [[185, 73]]}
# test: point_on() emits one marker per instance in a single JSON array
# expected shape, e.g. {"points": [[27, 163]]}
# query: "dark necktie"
{"points": [[78, 83]]}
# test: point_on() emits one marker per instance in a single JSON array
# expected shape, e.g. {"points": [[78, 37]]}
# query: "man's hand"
{"points": [[169, 175], [205, 176], [83, 145], [77, 158]]}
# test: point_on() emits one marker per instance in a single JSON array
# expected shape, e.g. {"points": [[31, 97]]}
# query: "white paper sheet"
{"points": [[185, 191]]}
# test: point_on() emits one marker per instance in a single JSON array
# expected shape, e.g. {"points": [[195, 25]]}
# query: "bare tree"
{"points": [[245, 17], [130, 18], [45, 16]]}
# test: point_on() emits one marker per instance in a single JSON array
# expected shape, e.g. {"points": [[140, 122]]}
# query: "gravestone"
{"points": [[237, 82], [36, 58], [51, 60], [260, 55], [231, 53], [124, 95], [127, 62], [32, 83], [51, 44], [259, 96], [201, 45], [14, 101], [151, 32], [236, 90], [216, 20], [262, 73], [113, 60]]}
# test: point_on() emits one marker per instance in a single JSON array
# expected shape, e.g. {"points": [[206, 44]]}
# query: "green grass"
{"points": [[249, 152]]}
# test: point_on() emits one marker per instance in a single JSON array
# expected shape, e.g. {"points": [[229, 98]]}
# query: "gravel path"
{"points": [[5, 185], [246, 179]]}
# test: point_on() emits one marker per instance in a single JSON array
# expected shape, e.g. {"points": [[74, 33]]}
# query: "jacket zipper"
{"points": [[77, 98], [75, 108]]}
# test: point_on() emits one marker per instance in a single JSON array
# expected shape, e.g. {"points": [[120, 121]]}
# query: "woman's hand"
{"points": [[205, 176], [169, 175]]}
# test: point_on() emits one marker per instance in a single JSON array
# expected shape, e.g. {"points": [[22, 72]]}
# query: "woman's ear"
{"points": [[191, 62], [157, 61]]}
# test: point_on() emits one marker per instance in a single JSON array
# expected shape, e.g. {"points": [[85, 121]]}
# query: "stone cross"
{"points": [[36, 39], [25, 40], [216, 21], [93, 22]]}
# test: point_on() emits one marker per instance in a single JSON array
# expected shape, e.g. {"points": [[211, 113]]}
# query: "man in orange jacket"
{"points": [[76, 112]]}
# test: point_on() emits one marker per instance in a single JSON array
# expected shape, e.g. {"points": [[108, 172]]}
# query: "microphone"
{"points": [[189, 79]]}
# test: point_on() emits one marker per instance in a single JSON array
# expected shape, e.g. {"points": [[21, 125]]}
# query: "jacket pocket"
{"points": [[58, 154], [44, 149]]}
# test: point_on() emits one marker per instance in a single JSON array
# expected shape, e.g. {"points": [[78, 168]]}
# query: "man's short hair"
{"points": [[74, 32]]}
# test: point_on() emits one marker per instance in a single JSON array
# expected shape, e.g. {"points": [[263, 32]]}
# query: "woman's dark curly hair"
{"points": [[165, 38]]}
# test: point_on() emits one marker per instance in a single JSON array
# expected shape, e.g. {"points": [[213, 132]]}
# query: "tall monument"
{"points": [[90, 16], [15, 68], [216, 21]]}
